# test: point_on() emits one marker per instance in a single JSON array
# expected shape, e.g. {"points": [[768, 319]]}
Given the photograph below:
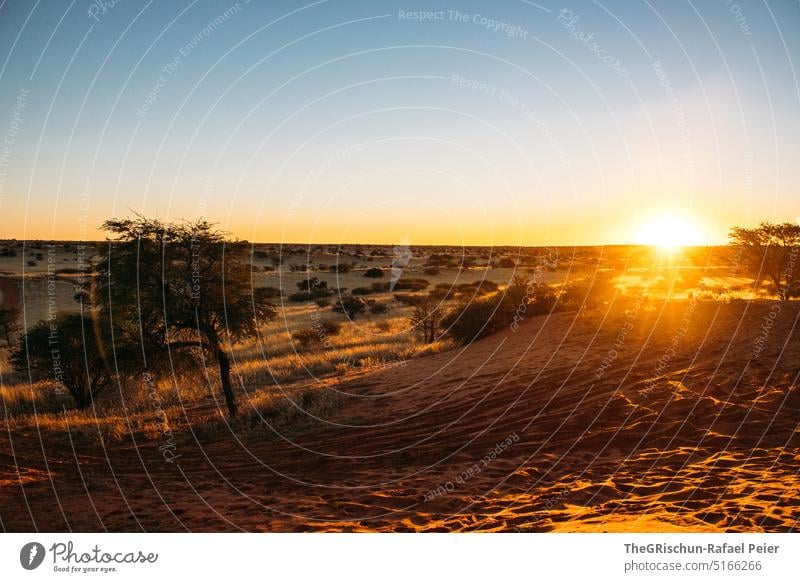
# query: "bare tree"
{"points": [[425, 320]]}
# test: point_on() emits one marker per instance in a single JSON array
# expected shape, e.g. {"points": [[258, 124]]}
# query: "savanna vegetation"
{"points": [[204, 314]]}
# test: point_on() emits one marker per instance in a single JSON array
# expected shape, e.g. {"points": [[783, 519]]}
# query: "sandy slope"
{"points": [[648, 420]]}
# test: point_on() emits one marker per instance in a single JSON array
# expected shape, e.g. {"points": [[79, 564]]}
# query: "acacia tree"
{"points": [[180, 286], [71, 348], [770, 251]]}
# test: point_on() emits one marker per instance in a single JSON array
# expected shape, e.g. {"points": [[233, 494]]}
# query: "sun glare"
{"points": [[669, 232]]}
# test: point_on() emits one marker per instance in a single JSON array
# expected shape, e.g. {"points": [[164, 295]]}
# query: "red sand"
{"points": [[692, 440]]}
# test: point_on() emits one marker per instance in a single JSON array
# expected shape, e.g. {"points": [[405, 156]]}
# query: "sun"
{"points": [[669, 232]]}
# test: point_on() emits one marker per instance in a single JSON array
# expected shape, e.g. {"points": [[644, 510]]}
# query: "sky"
{"points": [[477, 123]]}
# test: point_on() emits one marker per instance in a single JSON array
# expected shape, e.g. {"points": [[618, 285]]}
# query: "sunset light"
{"points": [[401, 267], [670, 232]]}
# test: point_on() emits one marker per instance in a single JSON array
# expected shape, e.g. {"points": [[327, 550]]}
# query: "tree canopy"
{"points": [[179, 286], [770, 251]]}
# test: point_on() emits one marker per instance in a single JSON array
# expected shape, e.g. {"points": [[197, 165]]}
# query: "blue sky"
{"points": [[489, 123]]}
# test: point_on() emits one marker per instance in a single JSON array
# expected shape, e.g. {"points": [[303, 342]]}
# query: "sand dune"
{"points": [[656, 419]]}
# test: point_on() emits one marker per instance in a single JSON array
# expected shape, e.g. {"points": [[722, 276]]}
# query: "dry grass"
{"points": [[269, 369]]}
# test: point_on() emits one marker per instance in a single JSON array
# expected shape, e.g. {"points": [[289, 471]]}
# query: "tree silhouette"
{"points": [[770, 251], [180, 286], [74, 349]]}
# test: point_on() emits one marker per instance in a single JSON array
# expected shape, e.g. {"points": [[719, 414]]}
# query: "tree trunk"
{"points": [[225, 378]]}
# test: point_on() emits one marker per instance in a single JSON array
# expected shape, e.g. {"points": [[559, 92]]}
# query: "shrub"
{"points": [[486, 286], [587, 293], [431, 270], [75, 349], [311, 284], [330, 327], [506, 263], [362, 291], [306, 337], [474, 319], [409, 298], [374, 273], [471, 320], [439, 293], [411, 284], [311, 289], [439, 260], [300, 297], [341, 268], [379, 287], [31, 263], [316, 334], [378, 308], [350, 306]]}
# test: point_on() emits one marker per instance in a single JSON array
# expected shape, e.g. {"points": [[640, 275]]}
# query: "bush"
{"points": [[411, 284], [306, 337], [76, 349], [380, 287], [409, 299], [362, 291], [378, 308], [439, 260], [312, 284], [330, 327], [587, 293], [317, 334], [486, 286], [31, 263], [431, 270], [350, 306], [300, 297], [311, 289], [506, 263], [374, 273], [341, 268], [472, 320]]}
